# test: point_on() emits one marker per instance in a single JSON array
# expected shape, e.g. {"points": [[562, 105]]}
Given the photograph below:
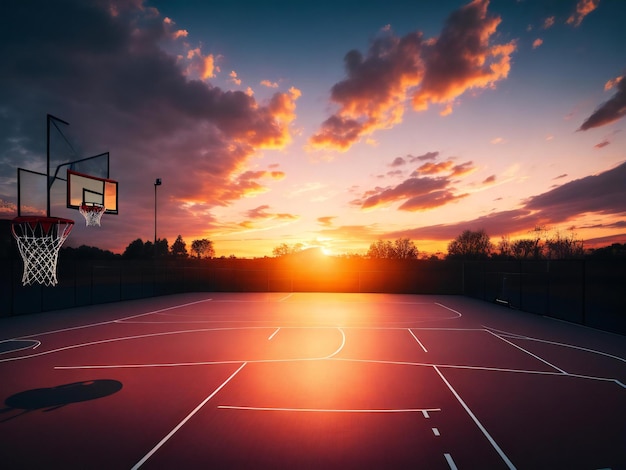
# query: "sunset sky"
{"points": [[326, 123]]}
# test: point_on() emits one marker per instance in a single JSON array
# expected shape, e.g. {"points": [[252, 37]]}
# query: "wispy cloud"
{"points": [[548, 22], [269, 84], [261, 212], [583, 8], [603, 194], [326, 221], [612, 109]]}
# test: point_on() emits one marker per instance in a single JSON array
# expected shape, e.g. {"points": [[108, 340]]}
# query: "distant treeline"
{"points": [[467, 246]]}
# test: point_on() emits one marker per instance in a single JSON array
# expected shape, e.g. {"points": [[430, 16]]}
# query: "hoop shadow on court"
{"points": [[53, 398]]}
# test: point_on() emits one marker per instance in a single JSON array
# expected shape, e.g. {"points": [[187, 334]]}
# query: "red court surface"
{"points": [[309, 380]]}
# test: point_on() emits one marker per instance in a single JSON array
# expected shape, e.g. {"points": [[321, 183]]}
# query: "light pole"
{"points": [[156, 183]]}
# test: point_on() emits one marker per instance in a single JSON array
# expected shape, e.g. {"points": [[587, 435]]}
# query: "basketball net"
{"points": [[39, 240], [92, 213]]}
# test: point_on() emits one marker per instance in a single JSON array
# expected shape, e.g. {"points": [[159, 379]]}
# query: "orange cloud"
{"points": [[326, 221], [434, 168], [233, 77], [463, 58], [548, 22], [282, 107], [395, 70], [168, 24], [269, 84], [612, 83], [448, 165], [463, 168], [373, 95], [201, 66], [583, 8], [537, 42]]}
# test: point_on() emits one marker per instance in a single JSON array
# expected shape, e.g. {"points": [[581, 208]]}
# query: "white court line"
{"points": [[330, 410], [285, 298], [306, 359], [451, 309], [108, 322], [418, 341], [187, 418], [273, 334], [565, 345], [180, 364], [451, 463], [526, 351], [110, 340], [30, 346], [478, 423]]}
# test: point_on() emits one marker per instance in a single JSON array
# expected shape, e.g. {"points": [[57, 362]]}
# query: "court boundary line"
{"points": [[187, 418], [108, 322]]}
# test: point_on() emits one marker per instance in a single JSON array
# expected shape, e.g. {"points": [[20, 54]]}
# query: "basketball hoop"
{"points": [[92, 213], [39, 240]]}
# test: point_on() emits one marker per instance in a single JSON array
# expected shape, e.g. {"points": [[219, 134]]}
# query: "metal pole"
{"points": [[156, 183], [49, 118]]}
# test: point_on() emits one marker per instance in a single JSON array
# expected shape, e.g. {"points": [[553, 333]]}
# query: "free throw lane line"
{"points": [[424, 411], [187, 418], [478, 423], [418, 341]]}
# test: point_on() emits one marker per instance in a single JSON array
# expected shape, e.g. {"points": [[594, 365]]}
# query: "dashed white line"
{"points": [[436, 432]]}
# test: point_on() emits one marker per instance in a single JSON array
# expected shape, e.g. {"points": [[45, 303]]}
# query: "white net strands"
{"points": [[92, 213], [39, 240]]}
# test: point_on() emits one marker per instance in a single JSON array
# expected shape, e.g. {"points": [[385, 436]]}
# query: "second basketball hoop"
{"points": [[92, 212]]}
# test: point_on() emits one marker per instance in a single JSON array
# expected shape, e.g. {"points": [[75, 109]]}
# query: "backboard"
{"points": [[89, 189]]}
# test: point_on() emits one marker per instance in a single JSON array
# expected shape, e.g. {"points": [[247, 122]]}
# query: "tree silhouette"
{"points": [[402, 248], [203, 248], [284, 249], [179, 248], [470, 245]]}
